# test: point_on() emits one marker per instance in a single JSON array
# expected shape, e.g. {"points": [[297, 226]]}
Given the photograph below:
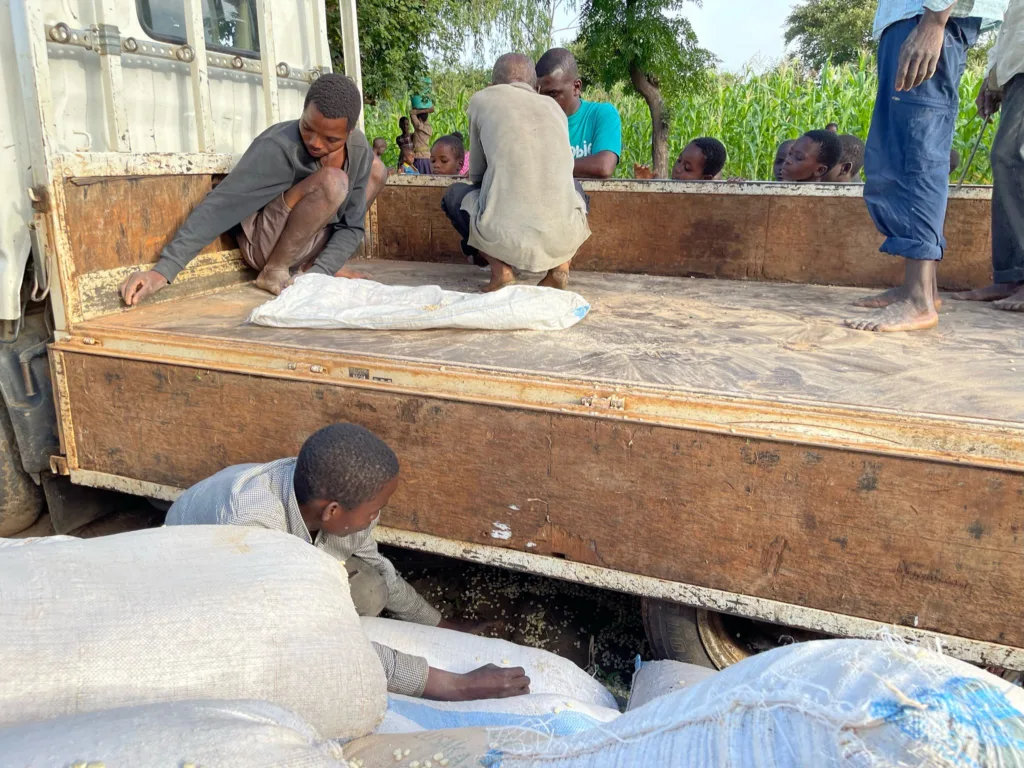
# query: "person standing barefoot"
{"points": [[922, 53], [1004, 87]]}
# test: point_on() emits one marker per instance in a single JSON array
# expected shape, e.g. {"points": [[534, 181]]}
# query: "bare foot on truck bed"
{"points": [[556, 278], [905, 315], [994, 292], [891, 296]]}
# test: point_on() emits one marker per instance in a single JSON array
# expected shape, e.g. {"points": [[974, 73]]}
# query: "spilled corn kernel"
{"points": [[438, 756]]}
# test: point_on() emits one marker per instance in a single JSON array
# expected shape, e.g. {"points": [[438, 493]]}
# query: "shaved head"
{"points": [[514, 68], [558, 61]]}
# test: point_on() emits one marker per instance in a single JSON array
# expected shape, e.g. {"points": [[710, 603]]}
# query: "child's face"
{"points": [[339, 521], [780, 158], [380, 146], [403, 124], [802, 163], [408, 156], [690, 165], [443, 160]]}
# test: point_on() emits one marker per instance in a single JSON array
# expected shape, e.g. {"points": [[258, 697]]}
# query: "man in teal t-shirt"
{"points": [[595, 129]]}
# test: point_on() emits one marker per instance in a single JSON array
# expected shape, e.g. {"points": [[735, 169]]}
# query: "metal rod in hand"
{"points": [[977, 146]]}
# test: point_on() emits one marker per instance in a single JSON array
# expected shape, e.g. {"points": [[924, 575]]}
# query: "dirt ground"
{"points": [[601, 631]]}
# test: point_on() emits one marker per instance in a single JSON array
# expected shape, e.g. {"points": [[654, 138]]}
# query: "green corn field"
{"points": [[750, 114]]}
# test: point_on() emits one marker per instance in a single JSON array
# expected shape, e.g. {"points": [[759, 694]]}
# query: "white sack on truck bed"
{"points": [[322, 301], [217, 734], [652, 679], [546, 712], [826, 704], [460, 652], [186, 612]]}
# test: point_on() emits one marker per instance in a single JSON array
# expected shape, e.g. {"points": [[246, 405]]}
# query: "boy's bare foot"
{"points": [[555, 279], [1014, 303], [994, 292], [273, 280], [905, 315], [890, 296]]}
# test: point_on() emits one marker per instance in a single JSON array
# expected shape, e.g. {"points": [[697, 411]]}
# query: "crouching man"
{"points": [[522, 209], [300, 193], [331, 496]]}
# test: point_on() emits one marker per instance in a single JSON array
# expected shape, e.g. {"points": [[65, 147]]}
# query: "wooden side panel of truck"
{"points": [[720, 442]]}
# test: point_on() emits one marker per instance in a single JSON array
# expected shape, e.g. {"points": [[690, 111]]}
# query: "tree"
{"points": [[831, 31], [392, 34], [526, 26], [649, 45], [395, 36]]}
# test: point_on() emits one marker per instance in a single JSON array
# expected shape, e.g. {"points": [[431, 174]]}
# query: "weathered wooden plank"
{"points": [[799, 239], [120, 222], [884, 538]]}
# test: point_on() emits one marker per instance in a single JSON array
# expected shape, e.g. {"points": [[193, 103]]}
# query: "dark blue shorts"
{"points": [[906, 160]]}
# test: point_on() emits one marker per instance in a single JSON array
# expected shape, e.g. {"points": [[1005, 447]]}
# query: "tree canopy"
{"points": [[396, 36], [834, 31], [650, 45]]}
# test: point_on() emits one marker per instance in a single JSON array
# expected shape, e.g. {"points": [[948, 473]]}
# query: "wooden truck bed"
{"points": [[780, 343], [729, 436]]}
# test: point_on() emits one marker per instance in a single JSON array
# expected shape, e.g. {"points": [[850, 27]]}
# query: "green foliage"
{"points": [[396, 35], [831, 31], [647, 34], [392, 34], [751, 114]]}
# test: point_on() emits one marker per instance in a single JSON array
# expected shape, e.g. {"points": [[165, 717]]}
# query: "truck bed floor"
{"points": [[755, 340]]}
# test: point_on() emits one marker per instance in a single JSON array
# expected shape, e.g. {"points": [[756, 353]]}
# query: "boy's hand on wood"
{"points": [[139, 285], [642, 172]]}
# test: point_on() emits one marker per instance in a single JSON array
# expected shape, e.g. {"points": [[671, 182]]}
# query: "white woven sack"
{"points": [[219, 734], [652, 679], [322, 301], [544, 712], [186, 612], [460, 652], [829, 703]]}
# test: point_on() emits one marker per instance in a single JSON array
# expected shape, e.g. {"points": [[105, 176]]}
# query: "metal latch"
{"points": [[40, 197], [611, 403], [59, 466]]}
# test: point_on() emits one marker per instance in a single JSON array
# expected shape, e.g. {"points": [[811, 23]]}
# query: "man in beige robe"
{"points": [[522, 209]]}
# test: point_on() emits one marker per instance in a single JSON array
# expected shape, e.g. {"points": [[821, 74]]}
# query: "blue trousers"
{"points": [[906, 160]]}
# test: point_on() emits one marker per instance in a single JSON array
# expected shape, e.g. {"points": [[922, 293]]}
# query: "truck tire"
{"points": [[21, 500], [672, 632]]}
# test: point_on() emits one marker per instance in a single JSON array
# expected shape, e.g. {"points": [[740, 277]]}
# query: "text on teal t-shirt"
{"points": [[595, 127]]}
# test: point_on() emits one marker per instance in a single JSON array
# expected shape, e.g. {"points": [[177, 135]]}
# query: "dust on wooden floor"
{"points": [[601, 631]]}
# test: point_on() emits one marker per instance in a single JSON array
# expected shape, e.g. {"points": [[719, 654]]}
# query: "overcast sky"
{"points": [[737, 31]]}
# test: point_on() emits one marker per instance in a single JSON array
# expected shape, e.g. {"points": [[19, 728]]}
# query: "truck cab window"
{"points": [[230, 25]]}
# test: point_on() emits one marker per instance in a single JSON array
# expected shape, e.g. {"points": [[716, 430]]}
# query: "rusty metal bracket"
{"points": [[59, 466], [106, 39], [40, 197]]}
